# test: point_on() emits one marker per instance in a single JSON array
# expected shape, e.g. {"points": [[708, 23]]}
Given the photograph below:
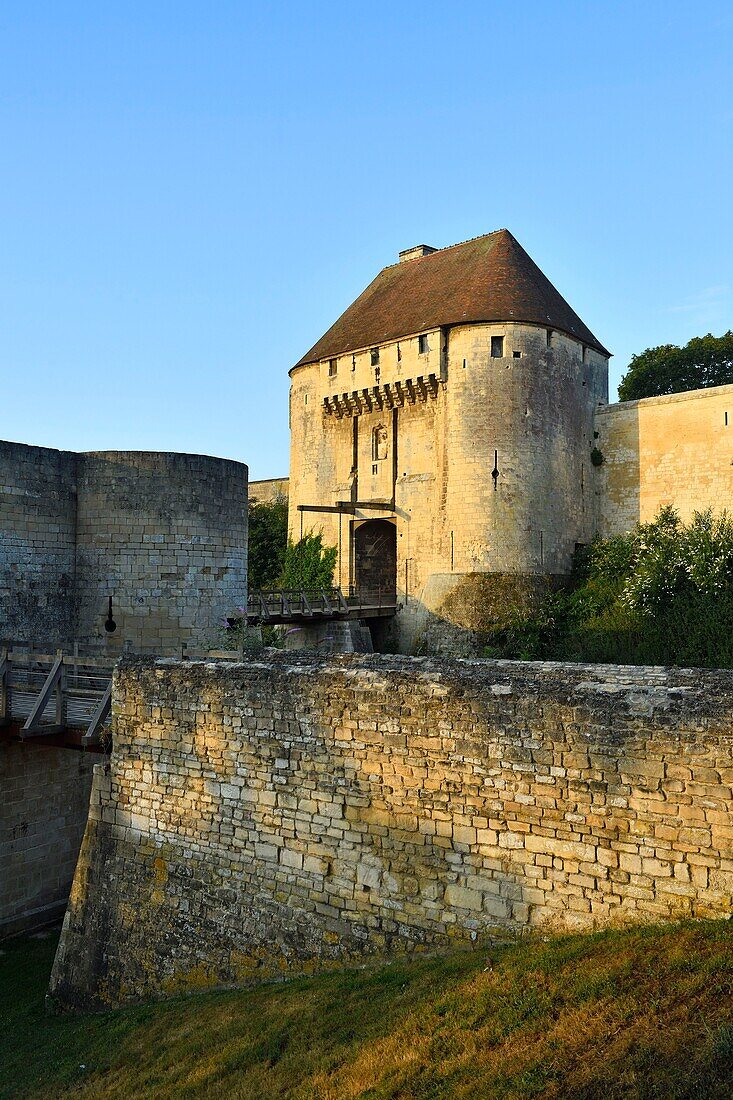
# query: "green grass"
{"points": [[646, 1013]]}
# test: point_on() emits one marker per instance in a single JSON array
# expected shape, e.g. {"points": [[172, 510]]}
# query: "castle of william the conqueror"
{"points": [[451, 435]]}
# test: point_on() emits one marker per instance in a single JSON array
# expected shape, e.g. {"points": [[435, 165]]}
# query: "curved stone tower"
{"points": [[446, 423], [164, 536]]}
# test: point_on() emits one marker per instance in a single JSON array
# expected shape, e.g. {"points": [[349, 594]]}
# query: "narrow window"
{"points": [[422, 345], [517, 355], [375, 469], [305, 399], [464, 364], [549, 337], [585, 350], [497, 347], [353, 362], [726, 420], [375, 356], [399, 353], [331, 368], [379, 443]]}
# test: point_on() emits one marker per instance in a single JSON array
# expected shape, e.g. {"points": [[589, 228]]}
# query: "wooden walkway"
{"points": [[279, 606], [60, 696], [64, 699]]}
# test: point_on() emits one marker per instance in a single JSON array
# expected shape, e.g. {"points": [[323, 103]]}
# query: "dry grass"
{"points": [[645, 1013]]}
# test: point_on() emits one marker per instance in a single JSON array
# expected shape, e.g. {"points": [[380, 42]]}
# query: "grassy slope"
{"points": [[644, 1013]]}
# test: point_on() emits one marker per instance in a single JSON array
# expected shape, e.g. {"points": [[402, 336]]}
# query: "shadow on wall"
{"points": [[618, 448], [373, 805], [456, 613], [163, 536]]}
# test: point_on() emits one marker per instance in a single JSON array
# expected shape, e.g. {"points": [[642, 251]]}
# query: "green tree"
{"points": [[308, 564], [268, 541], [704, 361]]}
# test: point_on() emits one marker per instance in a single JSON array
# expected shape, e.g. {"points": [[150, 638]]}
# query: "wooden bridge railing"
{"points": [[65, 695], [285, 602], [282, 605], [48, 694]]}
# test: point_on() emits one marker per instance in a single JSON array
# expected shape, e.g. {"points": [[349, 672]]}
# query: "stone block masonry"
{"points": [[43, 811], [37, 543], [163, 536], [298, 812]]}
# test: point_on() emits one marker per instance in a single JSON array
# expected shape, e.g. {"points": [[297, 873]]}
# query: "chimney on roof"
{"points": [[416, 252]]}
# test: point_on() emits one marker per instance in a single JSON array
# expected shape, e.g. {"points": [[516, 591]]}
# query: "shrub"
{"points": [[268, 540], [308, 564], [662, 594]]}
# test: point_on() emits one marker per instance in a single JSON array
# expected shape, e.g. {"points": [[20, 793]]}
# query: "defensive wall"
{"points": [[43, 813], [163, 535], [268, 491], [674, 450], [296, 812], [37, 542]]}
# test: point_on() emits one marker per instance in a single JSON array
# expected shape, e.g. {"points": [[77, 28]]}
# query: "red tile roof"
{"points": [[489, 278]]}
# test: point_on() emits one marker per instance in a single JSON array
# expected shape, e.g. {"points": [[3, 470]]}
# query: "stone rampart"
{"points": [[38, 491], [268, 491], [674, 450], [268, 818], [163, 536]]}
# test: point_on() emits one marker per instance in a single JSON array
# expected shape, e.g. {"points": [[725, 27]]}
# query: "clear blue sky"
{"points": [[191, 193]]}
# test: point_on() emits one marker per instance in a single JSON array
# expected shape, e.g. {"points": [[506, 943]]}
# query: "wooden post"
{"points": [[4, 681], [98, 718], [61, 691], [33, 724]]}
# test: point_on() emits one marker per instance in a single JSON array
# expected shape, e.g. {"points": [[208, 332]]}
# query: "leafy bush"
{"points": [[308, 564], [268, 540], [673, 558], [662, 594]]}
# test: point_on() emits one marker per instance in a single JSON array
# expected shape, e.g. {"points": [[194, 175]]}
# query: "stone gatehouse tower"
{"points": [[441, 436]]}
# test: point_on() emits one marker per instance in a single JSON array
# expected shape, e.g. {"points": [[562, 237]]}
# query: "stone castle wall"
{"points": [[268, 491], [37, 543], [164, 535], [665, 450], [43, 812], [268, 818]]}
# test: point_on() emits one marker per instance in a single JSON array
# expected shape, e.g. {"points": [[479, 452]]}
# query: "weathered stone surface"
{"points": [[238, 834], [650, 447], [470, 547], [165, 535], [44, 794], [37, 543]]}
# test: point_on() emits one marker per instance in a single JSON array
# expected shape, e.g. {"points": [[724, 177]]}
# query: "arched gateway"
{"points": [[375, 557]]}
